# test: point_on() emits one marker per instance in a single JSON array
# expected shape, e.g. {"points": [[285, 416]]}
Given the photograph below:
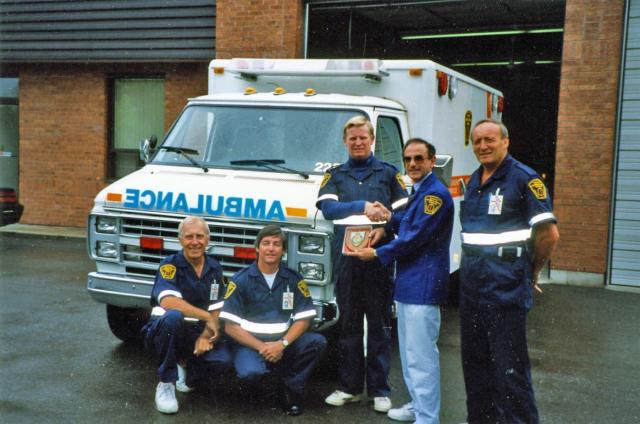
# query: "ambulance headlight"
{"points": [[311, 270], [106, 225], [106, 249], [311, 244]]}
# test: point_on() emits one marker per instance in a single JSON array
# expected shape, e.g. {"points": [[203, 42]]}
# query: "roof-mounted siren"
{"points": [[251, 69]]}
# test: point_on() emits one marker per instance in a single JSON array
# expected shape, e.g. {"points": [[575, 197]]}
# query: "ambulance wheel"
{"points": [[126, 323]]}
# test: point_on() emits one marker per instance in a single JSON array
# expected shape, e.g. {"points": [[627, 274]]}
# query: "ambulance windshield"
{"points": [[307, 140]]}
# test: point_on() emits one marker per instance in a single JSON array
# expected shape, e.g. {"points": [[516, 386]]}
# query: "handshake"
{"points": [[376, 212]]}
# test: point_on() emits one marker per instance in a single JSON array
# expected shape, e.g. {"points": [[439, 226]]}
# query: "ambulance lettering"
{"points": [[206, 204]]}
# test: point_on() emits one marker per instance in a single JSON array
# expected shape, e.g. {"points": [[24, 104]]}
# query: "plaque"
{"points": [[356, 238]]}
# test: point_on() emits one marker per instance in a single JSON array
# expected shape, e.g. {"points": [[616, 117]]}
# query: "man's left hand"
{"points": [[272, 351], [366, 254], [203, 344]]}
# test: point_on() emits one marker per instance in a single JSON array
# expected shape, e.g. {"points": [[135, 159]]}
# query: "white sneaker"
{"points": [[339, 398], [166, 401], [404, 413], [181, 384], [381, 404]]}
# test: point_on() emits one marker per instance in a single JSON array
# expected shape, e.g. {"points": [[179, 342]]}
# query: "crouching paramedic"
{"points": [[267, 311], [184, 330]]}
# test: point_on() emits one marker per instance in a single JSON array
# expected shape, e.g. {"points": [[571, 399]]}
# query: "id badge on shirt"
{"points": [[215, 290], [287, 300], [495, 203]]}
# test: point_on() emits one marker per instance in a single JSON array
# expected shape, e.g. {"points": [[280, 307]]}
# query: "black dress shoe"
{"points": [[290, 402]]}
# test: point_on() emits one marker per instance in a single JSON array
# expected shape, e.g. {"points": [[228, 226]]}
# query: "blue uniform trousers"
{"points": [[496, 364], [364, 289], [172, 339], [297, 363]]}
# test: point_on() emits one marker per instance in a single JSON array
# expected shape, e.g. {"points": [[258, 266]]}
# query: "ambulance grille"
{"points": [[144, 262]]}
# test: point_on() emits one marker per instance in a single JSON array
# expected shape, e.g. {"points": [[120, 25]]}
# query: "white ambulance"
{"points": [[253, 151]]}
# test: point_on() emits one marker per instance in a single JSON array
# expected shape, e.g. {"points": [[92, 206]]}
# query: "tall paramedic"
{"points": [[421, 252], [508, 233], [363, 289], [188, 284]]}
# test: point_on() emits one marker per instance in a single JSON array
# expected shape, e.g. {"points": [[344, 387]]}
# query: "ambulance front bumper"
{"points": [[117, 290]]}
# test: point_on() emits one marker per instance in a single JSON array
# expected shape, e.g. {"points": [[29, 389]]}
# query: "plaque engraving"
{"points": [[356, 238]]}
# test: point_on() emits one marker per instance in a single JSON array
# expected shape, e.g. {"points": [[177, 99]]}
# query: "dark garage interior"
{"points": [[514, 46]]}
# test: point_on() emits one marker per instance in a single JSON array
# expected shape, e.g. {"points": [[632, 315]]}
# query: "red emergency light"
{"points": [[151, 243], [443, 82], [244, 252]]}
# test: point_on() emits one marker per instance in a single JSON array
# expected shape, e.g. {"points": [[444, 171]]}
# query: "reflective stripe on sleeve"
{"points": [[304, 314], [328, 196], [260, 328], [230, 317], [547, 216], [166, 293], [399, 203], [484, 239], [215, 306], [157, 311]]}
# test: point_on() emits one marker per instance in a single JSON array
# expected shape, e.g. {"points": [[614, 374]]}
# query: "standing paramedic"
{"points": [[184, 330], [361, 186], [267, 311], [508, 233], [421, 252]]}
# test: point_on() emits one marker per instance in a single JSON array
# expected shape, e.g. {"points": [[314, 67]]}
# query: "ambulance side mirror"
{"points": [[147, 148], [443, 169]]}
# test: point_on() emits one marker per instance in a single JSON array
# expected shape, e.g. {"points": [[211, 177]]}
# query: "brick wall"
{"points": [[64, 134], [62, 142], [259, 28], [586, 131]]}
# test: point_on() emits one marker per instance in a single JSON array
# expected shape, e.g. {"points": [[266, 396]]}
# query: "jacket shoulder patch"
{"points": [[231, 287], [325, 179], [302, 286], [538, 188], [401, 181], [168, 271], [431, 204]]}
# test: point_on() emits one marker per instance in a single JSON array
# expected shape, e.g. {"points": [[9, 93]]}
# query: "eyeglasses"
{"points": [[417, 159]]}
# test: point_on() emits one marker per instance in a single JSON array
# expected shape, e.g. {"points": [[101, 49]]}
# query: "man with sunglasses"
{"points": [[508, 233], [421, 252], [362, 186]]}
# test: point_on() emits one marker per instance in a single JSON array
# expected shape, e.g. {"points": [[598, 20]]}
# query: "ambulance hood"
{"points": [[220, 193]]}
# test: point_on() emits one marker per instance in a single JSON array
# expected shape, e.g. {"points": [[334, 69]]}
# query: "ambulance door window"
{"points": [[388, 145], [137, 112]]}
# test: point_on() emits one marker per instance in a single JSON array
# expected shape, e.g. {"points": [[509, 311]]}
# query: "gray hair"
{"points": [[504, 132], [192, 220]]}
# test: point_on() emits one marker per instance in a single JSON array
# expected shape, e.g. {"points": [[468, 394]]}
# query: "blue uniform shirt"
{"points": [[176, 277], [497, 218], [261, 310], [421, 249], [351, 184]]}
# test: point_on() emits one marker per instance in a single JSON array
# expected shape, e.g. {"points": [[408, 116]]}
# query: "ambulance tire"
{"points": [[126, 323]]}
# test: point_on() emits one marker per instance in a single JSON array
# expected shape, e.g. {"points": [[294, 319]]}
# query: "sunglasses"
{"points": [[417, 159]]}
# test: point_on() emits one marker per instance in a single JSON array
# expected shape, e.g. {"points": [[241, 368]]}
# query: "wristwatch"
{"points": [[285, 342]]}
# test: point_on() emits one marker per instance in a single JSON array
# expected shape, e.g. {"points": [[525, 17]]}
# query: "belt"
{"points": [[507, 252]]}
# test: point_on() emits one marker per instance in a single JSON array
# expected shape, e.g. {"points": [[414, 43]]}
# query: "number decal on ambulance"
{"points": [[323, 166]]}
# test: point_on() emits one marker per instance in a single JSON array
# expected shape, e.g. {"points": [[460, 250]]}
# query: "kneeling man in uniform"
{"points": [[267, 311]]}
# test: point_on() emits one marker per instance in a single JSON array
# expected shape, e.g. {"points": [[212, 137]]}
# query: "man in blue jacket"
{"points": [[421, 251]]}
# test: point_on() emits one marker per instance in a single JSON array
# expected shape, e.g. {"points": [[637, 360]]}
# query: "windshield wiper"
{"points": [[270, 164], [184, 152]]}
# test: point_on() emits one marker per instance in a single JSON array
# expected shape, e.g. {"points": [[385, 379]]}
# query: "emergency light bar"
{"points": [[308, 67]]}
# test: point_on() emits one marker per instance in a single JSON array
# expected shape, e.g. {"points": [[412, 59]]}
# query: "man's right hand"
{"points": [[203, 344], [376, 211]]}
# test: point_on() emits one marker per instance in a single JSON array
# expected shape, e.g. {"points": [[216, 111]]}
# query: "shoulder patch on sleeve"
{"points": [[431, 204], [538, 188], [231, 287], [325, 179], [168, 271], [302, 286], [401, 181]]}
